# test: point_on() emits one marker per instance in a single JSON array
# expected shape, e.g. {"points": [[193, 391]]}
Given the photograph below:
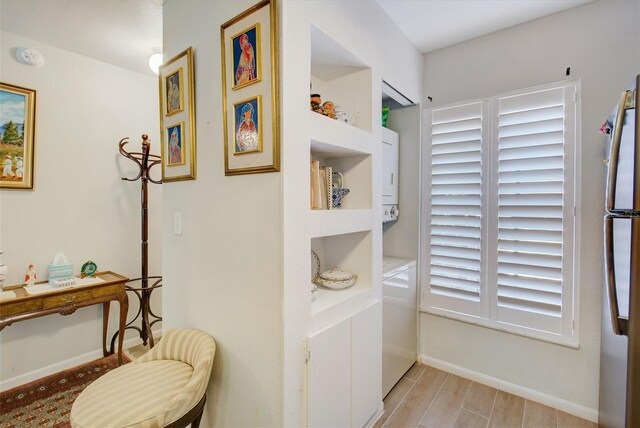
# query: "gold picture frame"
{"points": [[182, 119], [247, 60], [17, 136], [174, 92], [263, 91], [174, 135], [247, 121]]}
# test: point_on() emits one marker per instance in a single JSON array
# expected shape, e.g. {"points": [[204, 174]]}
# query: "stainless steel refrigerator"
{"points": [[620, 348]]}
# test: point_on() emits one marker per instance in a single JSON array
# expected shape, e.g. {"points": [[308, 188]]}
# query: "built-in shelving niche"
{"points": [[351, 252], [339, 76]]}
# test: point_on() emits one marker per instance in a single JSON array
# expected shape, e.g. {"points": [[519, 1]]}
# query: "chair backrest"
{"points": [[193, 347]]}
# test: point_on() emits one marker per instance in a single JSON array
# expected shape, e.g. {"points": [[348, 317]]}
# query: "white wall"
{"points": [[600, 42], [223, 275], [80, 205]]}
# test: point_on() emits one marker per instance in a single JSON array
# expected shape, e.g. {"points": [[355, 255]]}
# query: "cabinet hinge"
{"points": [[307, 354]]}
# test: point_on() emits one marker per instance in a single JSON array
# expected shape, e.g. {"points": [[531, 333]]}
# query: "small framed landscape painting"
{"points": [[17, 136], [248, 126]]}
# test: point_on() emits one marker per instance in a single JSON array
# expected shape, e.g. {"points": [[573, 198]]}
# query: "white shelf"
{"points": [[331, 306], [330, 137], [339, 222]]}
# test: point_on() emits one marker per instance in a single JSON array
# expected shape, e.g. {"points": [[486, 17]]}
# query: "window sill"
{"points": [[569, 342]]}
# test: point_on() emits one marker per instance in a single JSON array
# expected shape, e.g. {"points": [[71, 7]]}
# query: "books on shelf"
{"points": [[321, 185]]}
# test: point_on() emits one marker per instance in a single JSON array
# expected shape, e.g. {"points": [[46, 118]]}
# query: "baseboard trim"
{"points": [[512, 388], [376, 416], [64, 365]]}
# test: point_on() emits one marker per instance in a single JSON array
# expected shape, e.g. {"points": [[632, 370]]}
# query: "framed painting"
{"points": [[246, 57], [247, 120], [250, 91], [17, 136], [173, 86], [175, 144], [177, 102]]}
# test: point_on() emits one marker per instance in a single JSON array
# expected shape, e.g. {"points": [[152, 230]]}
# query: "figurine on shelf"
{"points": [[341, 115], [329, 110], [316, 103], [30, 276]]}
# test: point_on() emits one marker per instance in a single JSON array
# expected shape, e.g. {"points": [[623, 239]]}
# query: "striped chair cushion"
{"points": [[134, 395]]}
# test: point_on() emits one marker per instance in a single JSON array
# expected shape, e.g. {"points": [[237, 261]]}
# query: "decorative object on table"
{"points": [[329, 109], [31, 276], [335, 278], [337, 195], [60, 268], [178, 133], [247, 120], [18, 106], [316, 103], [251, 112], [342, 115], [89, 268], [385, 115], [4, 271], [145, 161]]}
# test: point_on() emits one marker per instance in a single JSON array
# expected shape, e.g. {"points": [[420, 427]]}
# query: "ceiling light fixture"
{"points": [[155, 61]]}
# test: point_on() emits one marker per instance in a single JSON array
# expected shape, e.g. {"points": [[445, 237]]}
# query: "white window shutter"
{"points": [[499, 217], [531, 209], [456, 208]]}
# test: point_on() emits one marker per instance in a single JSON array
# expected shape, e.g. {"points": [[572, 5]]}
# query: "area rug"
{"points": [[47, 402]]}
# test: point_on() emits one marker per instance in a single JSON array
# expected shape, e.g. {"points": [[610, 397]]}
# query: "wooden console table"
{"points": [[66, 301]]}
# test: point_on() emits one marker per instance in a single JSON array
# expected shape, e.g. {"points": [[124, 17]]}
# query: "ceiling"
{"points": [[435, 24], [126, 32], [120, 32]]}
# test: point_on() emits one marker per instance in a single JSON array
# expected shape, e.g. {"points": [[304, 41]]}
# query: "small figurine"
{"points": [[30, 277], [341, 115], [316, 103], [329, 110]]}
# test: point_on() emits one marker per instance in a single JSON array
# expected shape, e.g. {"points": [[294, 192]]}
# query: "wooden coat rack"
{"points": [[145, 162]]}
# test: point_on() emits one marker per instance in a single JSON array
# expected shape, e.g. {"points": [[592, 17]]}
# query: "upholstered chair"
{"points": [[166, 387]]}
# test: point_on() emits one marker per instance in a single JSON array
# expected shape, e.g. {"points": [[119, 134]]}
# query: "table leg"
{"points": [[124, 308], [105, 327]]}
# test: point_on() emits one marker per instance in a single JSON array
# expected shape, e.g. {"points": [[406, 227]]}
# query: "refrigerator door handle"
{"points": [[615, 153], [619, 324]]}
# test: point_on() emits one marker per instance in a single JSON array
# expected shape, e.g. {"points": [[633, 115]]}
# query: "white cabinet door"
{"points": [[329, 377], [366, 364], [390, 155]]}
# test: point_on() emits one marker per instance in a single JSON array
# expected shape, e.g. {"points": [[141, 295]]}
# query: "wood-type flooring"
{"points": [[430, 398]]}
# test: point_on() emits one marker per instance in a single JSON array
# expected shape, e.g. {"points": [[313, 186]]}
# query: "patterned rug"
{"points": [[47, 402]]}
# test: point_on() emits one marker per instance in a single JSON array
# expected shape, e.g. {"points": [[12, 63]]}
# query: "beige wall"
{"points": [[80, 205], [600, 42]]}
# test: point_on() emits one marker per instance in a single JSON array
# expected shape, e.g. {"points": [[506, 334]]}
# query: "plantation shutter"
{"points": [[456, 208], [532, 213]]}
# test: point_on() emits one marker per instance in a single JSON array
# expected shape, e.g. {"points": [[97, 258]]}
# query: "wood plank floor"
{"points": [[430, 398]]}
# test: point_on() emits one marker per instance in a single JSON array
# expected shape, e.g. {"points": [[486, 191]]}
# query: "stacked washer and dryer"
{"points": [[399, 282]]}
